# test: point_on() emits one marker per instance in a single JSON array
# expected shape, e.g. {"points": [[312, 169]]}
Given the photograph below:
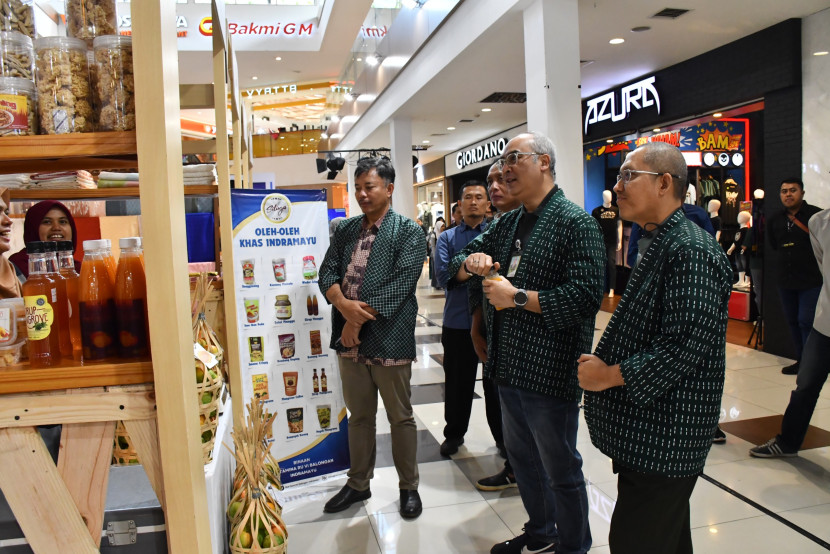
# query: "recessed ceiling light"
{"points": [[254, 77], [358, 59], [450, 128], [820, 53], [717, 114], [657, 129], [424, 142], [278, 58], [609, 141], [486, 110], [198, 113], [616, 40]]}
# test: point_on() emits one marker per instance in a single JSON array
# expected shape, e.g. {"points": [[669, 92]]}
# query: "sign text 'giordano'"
{"points": [[636, 96], [480, 153]]}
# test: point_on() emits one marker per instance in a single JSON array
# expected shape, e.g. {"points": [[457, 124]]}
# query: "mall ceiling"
{"points": [[495, 61]]}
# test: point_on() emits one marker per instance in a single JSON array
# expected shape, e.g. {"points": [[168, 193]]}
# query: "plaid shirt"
{"points": [[668, 334], [380, 266]]}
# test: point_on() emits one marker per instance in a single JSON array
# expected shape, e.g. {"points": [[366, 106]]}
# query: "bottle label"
{"points": [[132, 336], [39, 316], [97, 328], [5, 325]]}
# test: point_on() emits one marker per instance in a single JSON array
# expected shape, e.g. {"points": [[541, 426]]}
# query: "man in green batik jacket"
{"points": [[655, 381]]}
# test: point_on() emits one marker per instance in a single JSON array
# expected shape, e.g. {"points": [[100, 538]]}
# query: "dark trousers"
{"points": [[611, 254], [652, 514], [757, 275], [460, 364], [799, 309], [492, 406], [812, 374]]}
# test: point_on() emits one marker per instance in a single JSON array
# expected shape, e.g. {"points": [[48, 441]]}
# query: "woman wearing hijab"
{"points": [[9, 283], [46, 220]]}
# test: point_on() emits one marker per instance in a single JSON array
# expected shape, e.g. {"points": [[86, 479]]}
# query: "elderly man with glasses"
{"points": [[544, 270], [653, 386]]}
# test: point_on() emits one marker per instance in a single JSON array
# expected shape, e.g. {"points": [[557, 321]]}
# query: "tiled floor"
{"points": [[742, 504]]}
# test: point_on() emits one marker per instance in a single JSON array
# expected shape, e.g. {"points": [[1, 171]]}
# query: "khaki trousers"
{"points": [[361, 384]]}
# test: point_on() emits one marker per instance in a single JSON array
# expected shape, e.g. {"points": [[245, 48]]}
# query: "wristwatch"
{"points": [[520, 298]]}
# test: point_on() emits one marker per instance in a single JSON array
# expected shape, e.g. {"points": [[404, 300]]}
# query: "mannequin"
{"points": [[755, 247], [610, 224], [740, 248], [691, 194], [713, 209]]}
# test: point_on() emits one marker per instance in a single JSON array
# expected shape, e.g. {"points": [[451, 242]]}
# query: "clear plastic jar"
{"points": [[17, 57], [64, 94], [87, 19], [19, 16], [18, 114], [114, 86]]}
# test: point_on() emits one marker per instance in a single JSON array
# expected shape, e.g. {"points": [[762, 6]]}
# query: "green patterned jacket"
{"points": [[668, 334], [564, 261], [395, 263]]}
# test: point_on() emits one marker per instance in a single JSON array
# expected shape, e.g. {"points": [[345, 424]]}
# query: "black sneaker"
{"points": [[450, 447], [720, 436], [522, 544], [498, 482], [771, 449], [790, 369]]}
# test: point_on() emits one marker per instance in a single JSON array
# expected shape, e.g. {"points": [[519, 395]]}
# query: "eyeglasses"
{"points": [[513, 158], [625, 175]]}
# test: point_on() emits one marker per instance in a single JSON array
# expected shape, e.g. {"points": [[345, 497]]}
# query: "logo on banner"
{"points": [[636, 96], [276, 208]]}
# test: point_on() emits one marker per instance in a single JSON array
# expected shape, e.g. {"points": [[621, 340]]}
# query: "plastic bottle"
{"points": [[112, 266], [62, 307], [66, 264], [40, 296], [96, 304], [131, 300]]}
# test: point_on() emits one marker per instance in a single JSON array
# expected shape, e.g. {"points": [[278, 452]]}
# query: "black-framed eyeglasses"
{"points": [[513, 158], [624, 176]]}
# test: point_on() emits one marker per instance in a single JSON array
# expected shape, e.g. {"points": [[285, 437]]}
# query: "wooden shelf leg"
{"points": [[84, 462], [42, 505], [145, 436]]}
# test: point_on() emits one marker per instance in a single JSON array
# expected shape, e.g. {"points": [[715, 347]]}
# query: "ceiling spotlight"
{"points": [[486, 110], [450, 128], [254, 77], [717, 114], [278, 58], [821, 53], [424, 142], [616, 41], [657, 129], [374, 59], [609, 141], [358, 59]]}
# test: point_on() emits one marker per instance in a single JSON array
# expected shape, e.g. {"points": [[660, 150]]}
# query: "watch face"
{"points": [[520, 298]]}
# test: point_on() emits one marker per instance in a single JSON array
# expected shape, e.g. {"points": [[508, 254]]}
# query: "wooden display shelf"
{"points": [[69, 375], [41, 153], [88, 194]]}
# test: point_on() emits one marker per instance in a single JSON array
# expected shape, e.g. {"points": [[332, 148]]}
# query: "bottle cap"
{"points": [[51, 246], [129, 242], [37, 247], [90, 245], [65, 246]]}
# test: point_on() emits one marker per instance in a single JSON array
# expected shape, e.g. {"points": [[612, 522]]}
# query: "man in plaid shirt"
{"points": [[369, 276]]}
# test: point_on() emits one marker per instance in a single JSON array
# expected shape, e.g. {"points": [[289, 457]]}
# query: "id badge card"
{"points": [[514, 265]]}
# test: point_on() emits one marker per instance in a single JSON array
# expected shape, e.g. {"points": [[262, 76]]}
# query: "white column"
{"points": [[352, 207], [554, 108], [403, 198]]}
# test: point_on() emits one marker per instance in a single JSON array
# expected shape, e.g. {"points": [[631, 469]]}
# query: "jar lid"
{"points": [[308, 258], [112, 41], [15, 38], [278, 260], [282, 297], [12, 85], [38, 247], [64, 43], [65, 245], [129, 242], [90, 245]]}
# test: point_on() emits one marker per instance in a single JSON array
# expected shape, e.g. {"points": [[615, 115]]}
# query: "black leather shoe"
{"points": [[410, 504], [790, 369], [450, 447], [345, 498]]}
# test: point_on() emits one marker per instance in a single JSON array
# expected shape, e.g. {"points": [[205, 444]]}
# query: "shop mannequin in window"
{"points": [[755, 247], [713, 209], [739, 247], [610, 224]]}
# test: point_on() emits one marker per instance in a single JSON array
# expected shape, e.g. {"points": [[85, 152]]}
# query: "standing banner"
{"points": [[280, 237]]}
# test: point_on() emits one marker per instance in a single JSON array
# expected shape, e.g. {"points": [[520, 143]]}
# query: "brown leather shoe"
{"points": [[410, 504]]}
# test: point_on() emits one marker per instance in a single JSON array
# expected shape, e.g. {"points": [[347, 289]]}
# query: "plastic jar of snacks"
{"points": [[87, 19], [64, 95], [18, 114], [17, 57], [114, 87], [19, 16]]}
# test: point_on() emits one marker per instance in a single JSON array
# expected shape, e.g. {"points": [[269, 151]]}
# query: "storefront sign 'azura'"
{"points": [[636, 96]]}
